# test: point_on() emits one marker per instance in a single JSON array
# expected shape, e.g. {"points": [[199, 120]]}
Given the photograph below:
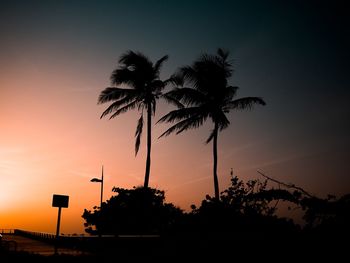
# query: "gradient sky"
{"points": [[57, 56]]}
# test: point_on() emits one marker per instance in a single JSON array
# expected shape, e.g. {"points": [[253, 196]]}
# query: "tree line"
{"points": [[245, 211]]}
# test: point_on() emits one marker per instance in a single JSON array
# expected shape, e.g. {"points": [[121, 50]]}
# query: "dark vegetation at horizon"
{"points": [[245, 209]]}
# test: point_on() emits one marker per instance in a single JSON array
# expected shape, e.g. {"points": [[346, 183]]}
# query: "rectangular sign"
{"points": [[60, 200]]}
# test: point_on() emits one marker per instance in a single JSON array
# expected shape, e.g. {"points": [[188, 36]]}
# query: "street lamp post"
{"points": [[97, 180]]}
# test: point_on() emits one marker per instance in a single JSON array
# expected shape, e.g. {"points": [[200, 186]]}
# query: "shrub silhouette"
{"points": [[242, 209], [327, 218], [132, 211]]}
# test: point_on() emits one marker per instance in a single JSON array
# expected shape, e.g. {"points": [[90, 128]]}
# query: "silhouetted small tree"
{"points": [[244, 208], [132, 211]]}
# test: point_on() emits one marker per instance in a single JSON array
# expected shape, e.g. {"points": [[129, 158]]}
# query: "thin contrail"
{"points": [[192, 181]]}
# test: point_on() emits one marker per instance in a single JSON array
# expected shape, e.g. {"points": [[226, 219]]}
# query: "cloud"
{"points": [[277, 161], [193, 181], [235, 150], [83, 174]]}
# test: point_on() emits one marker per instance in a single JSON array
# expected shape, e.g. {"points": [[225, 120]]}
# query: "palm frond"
{"points": [[221, 120], [173, 101], [110, 93], [111, 108], [124, 76], [130, 106], [213, 67], [222, 58], [192, 122], [204, 60], [188, 96], [190, 75], [230, 92], [157, 86], [136, 69], [154, 106], [211, 136], [180, 114], [116, 105], [176, 80], [131, 58], [223, 53], [138, 134], [245, 103], [170, 130], [140, 106], [210, 75], [125, 57], [159, 63]]}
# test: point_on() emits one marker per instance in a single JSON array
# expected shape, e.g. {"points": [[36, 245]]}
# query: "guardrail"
{"points": [[34, 235], [7, 231]]}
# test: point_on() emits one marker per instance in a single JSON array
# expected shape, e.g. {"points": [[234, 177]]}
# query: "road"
{"points": [[37, 247]]}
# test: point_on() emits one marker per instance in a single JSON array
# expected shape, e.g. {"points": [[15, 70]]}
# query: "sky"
{"points": [[57, 56]]}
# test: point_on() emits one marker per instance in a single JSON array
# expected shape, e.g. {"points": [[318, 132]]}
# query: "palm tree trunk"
{"points": [[215, 155], [149, 137]]}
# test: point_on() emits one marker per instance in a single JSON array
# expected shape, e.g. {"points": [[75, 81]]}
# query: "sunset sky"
{"points": [[57, 56]]}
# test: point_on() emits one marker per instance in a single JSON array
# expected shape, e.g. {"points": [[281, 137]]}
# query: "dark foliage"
{"points": [[245, 211], [132, 211], [327, 217]]}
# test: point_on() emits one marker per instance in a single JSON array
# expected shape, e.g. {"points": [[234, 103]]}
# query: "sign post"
{"points": [[59, 201]]}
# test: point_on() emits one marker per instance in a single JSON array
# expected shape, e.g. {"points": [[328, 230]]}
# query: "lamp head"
{"points": [[96, 180]]}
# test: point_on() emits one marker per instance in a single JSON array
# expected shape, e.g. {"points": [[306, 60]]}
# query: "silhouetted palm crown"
{"points": [[137, 85], [208, 96]]}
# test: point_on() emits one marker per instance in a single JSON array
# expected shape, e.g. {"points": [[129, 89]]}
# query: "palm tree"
{"points": [[136, 85], [209, 96]]}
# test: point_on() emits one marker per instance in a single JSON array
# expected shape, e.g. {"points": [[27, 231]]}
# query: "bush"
{"points": [[132, 211]]}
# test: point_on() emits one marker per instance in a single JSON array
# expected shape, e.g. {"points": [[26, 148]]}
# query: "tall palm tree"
{"points": [[208, 96], [136, 84]]}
